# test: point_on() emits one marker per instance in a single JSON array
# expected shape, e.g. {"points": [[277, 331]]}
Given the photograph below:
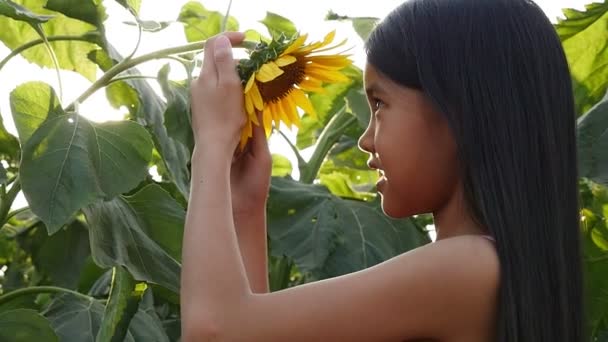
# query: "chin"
{"points": [[392, 211]]}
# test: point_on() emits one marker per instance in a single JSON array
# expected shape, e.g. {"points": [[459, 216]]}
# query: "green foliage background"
{"points": [[96, 254]]}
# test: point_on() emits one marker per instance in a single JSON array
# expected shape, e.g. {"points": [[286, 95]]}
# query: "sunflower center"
{"points": [[278, 88]]}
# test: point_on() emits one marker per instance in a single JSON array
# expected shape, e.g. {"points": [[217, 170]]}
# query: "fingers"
{"points": [[209, 70], [224, 63]]}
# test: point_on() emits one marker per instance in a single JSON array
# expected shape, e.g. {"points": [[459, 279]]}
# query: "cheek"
{"points": [[420, 165]]}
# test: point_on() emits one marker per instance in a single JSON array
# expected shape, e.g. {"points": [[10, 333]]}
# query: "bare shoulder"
{"points": [[464, 274]]}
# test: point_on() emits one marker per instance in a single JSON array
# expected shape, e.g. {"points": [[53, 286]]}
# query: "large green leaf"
{"points": [[278, 25], [200, 23], [17, 12], [24, 325], [72, 55], [78, 319], [142, 232], [61, 257], [329, 236], [148, 109], [177, 115], [583, 35], [592, 142], [70, 162], [595, 243], [89, 11]]}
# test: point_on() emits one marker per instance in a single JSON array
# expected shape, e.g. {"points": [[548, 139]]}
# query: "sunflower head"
{"points": [[278, 76]]}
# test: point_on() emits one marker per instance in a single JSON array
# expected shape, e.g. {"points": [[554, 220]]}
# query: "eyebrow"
{"points": [[374, 88]]}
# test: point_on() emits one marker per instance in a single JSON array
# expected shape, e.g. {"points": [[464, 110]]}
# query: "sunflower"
{"points": [[280, 76]]}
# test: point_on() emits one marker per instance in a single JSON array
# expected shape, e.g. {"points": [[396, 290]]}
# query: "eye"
{"points": [[377, 103]]}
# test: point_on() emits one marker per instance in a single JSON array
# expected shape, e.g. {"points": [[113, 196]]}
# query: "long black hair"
{"points": [[497, 71]]}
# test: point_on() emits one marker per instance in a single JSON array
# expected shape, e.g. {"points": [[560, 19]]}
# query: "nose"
{"points": [[366, 141]]}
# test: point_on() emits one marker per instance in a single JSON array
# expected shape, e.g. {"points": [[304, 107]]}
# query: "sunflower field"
{"points": [[95, 254]]}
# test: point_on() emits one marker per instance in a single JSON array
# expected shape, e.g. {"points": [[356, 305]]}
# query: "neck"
{"points": [[455, 219]]}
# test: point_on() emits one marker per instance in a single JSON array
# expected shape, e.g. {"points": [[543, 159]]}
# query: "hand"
{"points": [[218, 113], [250, 175]]}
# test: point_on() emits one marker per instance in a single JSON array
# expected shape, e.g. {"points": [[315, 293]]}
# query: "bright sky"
{"points": [[307, 15]]}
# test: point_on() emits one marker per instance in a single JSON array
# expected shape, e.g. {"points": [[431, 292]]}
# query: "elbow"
{"points": [[200, 330]]}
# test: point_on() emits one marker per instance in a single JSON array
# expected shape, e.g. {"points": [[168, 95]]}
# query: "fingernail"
{"points": [[222, 43]]}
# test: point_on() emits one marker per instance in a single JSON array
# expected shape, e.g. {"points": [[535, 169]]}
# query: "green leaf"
{"points": [[9, 145], [133, 5], [329, 236], [31, 104], [72, 55], [594, 229], [583, 35], [142, 232], [278, 25], [347, 181], [125, 296], [592, 131], [24, 325], [89, 11], [81, 161], [177, 115], [364, 26], [201, 24], [281, 166], [62, 256], [17, 12], [77, 319], [148, 109], [150, 25]]}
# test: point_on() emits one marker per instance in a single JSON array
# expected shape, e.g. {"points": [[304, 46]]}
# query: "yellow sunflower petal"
{"points": [[303, 102], [295, 45], [268, 72], [249, 104], [291, 110], [317, 50], [267, 120], [326, 75], [311, 85], [333, 62], [276, 114], [285, 60], [246, 133], [284, 110], [250, 83], [256, 97], [315, 46], [254, 118]]}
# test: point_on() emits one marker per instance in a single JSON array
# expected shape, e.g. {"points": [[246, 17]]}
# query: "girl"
{"points": [[473, 120]]}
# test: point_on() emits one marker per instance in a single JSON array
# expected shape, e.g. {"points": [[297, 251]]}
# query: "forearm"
{"points": [[252, 238], [213, 275]]}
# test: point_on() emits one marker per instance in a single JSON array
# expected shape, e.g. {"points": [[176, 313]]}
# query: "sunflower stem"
{"points": [[87, 37], [331, 134], [301, 161], [38, 289]]}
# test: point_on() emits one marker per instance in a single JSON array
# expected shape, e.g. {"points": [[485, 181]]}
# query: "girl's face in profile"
{"points": [[411, 145]]}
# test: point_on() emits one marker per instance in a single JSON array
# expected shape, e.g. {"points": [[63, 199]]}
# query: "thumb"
{"points": [[224, 63]]}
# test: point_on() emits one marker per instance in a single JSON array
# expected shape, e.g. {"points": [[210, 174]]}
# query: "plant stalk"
{"points": [[330, 135], [36, 290], [88, 37]]}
